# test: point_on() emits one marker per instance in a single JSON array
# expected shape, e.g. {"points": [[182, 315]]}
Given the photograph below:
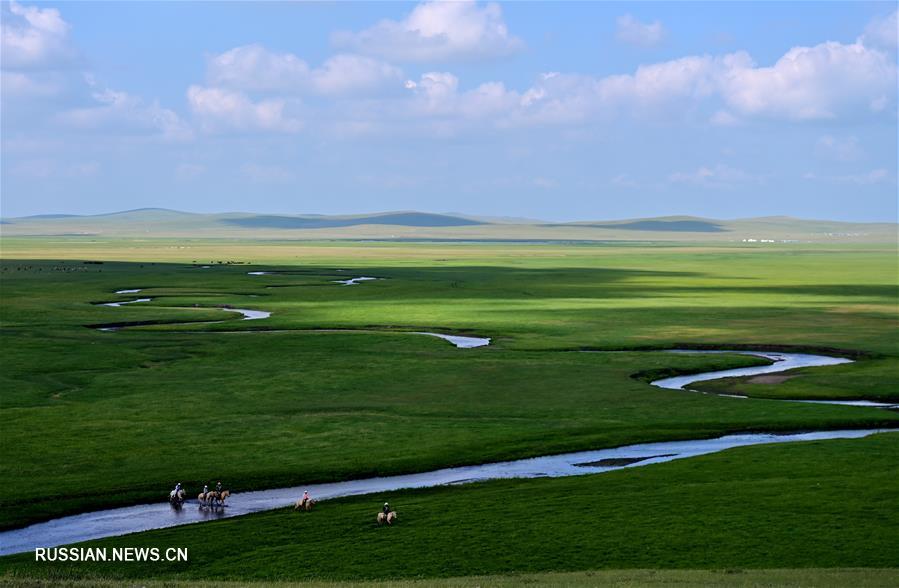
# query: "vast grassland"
{"points": [[93, 419]]}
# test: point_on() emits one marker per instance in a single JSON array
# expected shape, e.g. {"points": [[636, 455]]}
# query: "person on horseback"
{"points": [[306, 499], [386, 509], [176, 493], [218, 487], [205, 489]]}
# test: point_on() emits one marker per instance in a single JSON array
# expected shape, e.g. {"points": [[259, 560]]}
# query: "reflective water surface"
{"points": [[118, 521], [781, 361]]}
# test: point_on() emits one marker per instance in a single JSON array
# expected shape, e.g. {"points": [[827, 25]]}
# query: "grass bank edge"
{"points": [[775, 578]]}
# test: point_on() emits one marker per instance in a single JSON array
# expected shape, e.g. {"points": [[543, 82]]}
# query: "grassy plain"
{"points": [[818, 505], [96, 419]]}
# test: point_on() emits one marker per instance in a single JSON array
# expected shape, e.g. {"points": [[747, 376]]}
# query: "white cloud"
{"points": [[653, 90], [882, 32], [437, 94], [120, 112], [222, 110], [632, 31], [437, 31], [40, 78], [17, 84], [251, 88], [258, 172], [720, 176], [253, 68], [826, 81], [34, 38], [875, 176], [834, 148], [345, 74]]}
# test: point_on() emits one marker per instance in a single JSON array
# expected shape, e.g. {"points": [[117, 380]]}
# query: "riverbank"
{"points": [[832, 502]]}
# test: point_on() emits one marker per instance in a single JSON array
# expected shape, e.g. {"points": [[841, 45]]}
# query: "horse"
{"points": [[304, 504], [207, 498], [222, 496], [176, 499], [388, 518]]}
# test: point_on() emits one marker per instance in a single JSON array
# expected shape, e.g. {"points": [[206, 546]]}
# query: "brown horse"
{"points": [[221, 497], [388, 518], [208, 498], [304, 504]]}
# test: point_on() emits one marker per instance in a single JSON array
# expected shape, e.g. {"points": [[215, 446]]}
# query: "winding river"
{"points": [[354, 281], [779, 362], [119, 521], [143, 517], [460, 341]]}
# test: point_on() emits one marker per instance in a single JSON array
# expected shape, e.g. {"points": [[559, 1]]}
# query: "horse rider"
{"points": [[218, 487], [177, 491], [386, 509], [205, 489], [306, 498]]}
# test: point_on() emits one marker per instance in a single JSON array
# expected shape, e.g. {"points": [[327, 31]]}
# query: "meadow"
{"points": [[94, 419]]}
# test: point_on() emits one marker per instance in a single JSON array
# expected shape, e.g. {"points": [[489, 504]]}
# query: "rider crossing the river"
{"points": [[177, 491]]}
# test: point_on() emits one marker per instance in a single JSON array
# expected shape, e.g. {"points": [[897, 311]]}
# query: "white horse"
{"points": [[388, 518]]}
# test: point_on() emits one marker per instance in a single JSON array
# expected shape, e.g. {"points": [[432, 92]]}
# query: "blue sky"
{"points": [[559, 111]]}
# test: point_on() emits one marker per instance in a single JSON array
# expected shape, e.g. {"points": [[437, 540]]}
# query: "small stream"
{"points": [[460, 341], [354, 281], [780, 362]]}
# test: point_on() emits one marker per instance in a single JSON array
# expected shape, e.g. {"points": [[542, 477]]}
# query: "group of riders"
{"points": [[218, 495], [207, 497], [386, 515]]}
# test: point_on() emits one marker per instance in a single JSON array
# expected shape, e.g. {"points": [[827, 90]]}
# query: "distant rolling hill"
{"points": [[689, 226], [403, 219], [411, 225]]}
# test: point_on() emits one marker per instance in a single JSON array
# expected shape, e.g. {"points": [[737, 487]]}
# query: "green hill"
{"points": [[411, 225]]}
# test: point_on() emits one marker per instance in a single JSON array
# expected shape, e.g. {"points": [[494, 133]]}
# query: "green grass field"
{"points": [[819, 504], [94, 419], [791, 578]]}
